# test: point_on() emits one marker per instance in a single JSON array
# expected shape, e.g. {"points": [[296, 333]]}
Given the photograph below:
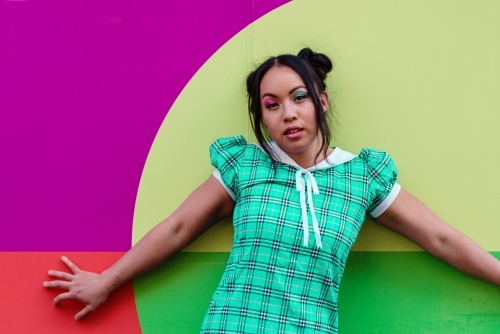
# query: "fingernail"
{"points": [[45, 284], [50, 272]]}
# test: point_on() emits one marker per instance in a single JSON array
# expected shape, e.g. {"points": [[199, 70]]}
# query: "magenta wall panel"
{"points": [[84, 87]]}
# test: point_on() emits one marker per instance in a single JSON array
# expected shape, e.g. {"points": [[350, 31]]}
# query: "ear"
{"points": [[324, 100]]}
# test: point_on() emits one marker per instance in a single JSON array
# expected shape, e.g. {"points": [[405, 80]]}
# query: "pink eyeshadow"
{"points": [[267, 102]]}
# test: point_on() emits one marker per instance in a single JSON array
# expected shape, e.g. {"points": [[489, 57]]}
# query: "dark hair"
{"points": [[312, 68]]}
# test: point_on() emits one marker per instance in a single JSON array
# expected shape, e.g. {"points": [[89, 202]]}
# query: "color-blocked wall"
{"points": [[84, 88], [93, 162]]}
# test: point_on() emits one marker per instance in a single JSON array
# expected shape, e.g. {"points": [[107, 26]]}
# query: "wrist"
{"points": [[109, 280]]}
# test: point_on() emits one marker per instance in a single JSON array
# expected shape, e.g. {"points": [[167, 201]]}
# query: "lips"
{"points": [[293, 132], [292, 129]]}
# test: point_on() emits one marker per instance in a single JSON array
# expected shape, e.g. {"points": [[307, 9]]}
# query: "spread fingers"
{"points": [[63, 296], [61, 274], [70, 264], [57, 284], [86, 310]]}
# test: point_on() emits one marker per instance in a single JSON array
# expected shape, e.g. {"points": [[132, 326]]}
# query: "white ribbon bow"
{"points": [[311, 187]]}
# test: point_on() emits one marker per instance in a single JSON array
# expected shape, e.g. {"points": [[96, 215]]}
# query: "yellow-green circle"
{"points": [[419, 80]]}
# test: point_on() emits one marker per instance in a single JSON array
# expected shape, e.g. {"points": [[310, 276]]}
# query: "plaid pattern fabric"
{"points": [[272, 283]]}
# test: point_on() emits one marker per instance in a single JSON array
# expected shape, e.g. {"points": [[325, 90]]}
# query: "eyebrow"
{"points": [[290, 92]]}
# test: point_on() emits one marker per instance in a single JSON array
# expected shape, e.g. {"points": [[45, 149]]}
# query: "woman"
{"points": [[288, 186]]}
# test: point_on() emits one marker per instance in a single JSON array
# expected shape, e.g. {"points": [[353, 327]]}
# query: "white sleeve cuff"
{"points": [[217, 175], [387, 201]]}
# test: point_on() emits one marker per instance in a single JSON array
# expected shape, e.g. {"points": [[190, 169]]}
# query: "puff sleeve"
{"points": [[226, 155], [382, 175]]}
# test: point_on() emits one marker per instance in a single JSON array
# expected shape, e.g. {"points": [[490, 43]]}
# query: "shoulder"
{"points": [[229, 143], [371, 154], [374, 164], [367, 156], [229, 151], [228, 146], [376, 159], [382, 176]]}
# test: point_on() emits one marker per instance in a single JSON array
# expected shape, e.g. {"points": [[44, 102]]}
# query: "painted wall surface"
{"points": [[84, 88], [107, 111]]}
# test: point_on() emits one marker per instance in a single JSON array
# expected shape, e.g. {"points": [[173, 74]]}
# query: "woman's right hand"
{"points": [[207, 204], [83, 286]]}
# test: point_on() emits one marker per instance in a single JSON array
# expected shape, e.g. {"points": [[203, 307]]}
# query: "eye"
{"points": [[271, 104], [299, 96]]}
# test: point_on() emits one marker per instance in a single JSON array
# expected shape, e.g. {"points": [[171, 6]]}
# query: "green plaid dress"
{"points": [[277, 279]]}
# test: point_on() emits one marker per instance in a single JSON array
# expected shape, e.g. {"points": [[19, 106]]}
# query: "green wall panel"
{"points": [[382, 292], [174, 297], [413, 292]]}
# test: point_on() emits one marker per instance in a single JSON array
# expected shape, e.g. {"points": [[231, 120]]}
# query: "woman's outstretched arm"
{"points": [[207, 205], [412, 219]]}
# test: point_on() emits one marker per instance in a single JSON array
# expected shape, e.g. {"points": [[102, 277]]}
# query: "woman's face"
{"points": [[288, 114]]}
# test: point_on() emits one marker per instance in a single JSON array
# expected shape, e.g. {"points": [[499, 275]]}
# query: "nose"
{"points": [[289, 112]]}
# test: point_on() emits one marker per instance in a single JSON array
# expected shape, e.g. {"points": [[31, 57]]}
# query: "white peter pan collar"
{"points": [[337, 157]]}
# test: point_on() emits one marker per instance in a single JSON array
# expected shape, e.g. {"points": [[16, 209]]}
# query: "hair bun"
{"points": [[321, 64]]}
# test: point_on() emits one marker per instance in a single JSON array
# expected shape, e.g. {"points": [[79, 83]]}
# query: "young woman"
{"points": [[297, 208]]}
